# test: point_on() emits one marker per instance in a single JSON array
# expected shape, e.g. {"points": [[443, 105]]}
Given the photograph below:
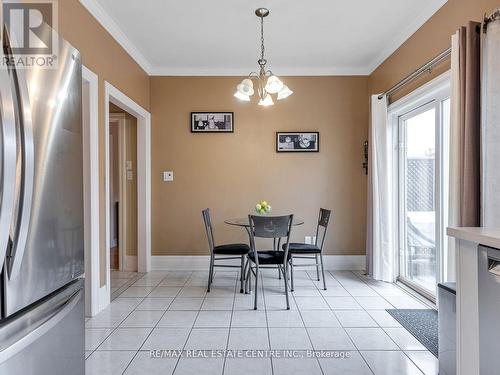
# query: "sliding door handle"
{"points": [[7, 160]]}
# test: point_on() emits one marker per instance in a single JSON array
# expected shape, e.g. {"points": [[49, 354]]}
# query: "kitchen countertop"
{"points": [[484, 236]]}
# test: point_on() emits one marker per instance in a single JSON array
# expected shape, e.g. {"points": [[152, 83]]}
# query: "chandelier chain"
{"points": [[262, 47]]}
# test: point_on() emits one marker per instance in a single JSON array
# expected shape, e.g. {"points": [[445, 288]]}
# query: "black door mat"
{"points": [[422, 324]]}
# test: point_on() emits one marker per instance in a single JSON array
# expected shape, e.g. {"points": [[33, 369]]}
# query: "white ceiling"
{"points": [[222, 37]]}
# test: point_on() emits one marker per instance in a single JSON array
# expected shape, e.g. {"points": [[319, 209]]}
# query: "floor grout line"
{"points": [[191, 329], [305, 327], [230, 325], [357, 349], [135, 309], [159, 320], [267, 323]]}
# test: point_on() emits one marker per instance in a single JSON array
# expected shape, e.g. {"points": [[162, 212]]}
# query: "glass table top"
{"points": [[243, 221]]}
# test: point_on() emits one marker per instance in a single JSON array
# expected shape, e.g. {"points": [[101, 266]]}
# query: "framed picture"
{"points": [[212, 122], [297, 142]]}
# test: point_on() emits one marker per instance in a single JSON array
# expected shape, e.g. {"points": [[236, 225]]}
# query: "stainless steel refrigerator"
{"points": [[41, 217]]}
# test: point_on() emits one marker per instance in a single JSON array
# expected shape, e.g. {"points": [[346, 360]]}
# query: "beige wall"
{"points": [[105, 57], [431, 39], [230, 172]]}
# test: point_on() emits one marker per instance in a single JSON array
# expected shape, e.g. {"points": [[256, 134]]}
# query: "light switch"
{"points": [[168, 176]]}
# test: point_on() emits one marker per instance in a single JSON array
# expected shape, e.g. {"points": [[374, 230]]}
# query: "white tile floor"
{"points": [[121, 280], [172, 311]]}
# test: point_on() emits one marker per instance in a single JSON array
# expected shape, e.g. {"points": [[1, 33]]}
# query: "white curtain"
{"points": [[380, 249], [491, 126]]}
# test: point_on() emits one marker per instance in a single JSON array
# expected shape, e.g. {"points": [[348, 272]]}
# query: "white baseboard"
{"points": [[344, 262], [200, 263], [130, 263]]}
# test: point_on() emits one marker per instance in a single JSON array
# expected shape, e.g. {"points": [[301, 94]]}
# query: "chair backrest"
{"points": [[323, 220], [270, 227], [208, 228]]}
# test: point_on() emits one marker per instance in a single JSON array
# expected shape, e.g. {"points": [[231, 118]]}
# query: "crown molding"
{"points": [[116, 32], [98, 12], [280, 71], [418, 21]]}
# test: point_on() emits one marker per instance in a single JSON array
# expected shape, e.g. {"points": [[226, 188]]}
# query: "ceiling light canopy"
{"points": [[267, 82]]}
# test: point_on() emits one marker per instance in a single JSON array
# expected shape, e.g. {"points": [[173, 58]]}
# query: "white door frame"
{"points": [[434, 91], [115, 96], [90, 135]]}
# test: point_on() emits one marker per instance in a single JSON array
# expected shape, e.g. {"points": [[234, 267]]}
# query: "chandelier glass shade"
{"points": [[265, 81]]}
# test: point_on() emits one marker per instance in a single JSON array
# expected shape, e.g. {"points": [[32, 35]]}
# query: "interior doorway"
{"points": [[141, 173], [123, 189], [97, 258]]}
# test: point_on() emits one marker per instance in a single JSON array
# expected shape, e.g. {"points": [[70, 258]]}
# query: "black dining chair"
{"points": [[275, 227], [311, 251], [223, 252]]}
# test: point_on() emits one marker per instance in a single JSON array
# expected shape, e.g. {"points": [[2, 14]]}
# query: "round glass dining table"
{"points": [[243, 222]]}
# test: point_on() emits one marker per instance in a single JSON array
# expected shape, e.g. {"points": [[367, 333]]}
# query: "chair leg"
{"points": [[322, 271], [317, 266], [242, 271], [249, 278], [274, 248], [245, 272], [286, 286], [246, 278], [210, 273], [291, 273], [256, 285]]}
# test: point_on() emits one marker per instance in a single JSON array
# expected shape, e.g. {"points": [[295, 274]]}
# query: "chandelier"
{"points": [[267, 82]]}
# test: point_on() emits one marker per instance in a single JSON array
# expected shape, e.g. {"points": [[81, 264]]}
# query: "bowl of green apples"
{"points": [[263, 207]]}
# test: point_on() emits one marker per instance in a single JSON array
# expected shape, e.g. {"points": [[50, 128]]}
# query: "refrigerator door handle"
{"points": [[7, 160], [41, 330], [21, 226]]}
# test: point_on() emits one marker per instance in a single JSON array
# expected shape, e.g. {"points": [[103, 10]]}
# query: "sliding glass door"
{"points": [[422, 179]]}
